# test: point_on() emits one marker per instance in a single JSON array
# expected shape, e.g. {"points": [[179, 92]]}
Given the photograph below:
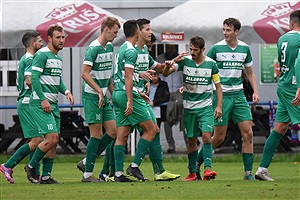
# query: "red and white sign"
{"points": [[79, 23], [276, 21], [169, 36]]}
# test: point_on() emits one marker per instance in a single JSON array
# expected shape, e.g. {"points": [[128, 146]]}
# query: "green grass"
{"points": [[227, 185]]}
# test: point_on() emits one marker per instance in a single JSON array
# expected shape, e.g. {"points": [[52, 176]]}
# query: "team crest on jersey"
{"points": [[82, 21], [276, 18]]}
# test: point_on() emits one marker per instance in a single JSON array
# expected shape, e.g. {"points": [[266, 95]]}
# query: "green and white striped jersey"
{"points": [[126, 56], [143, 63], [101, 60], [288, 46], [231, 63], [24, 69], [46, 77], [197, 82]]}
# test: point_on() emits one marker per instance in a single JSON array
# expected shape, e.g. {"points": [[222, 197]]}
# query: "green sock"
{"points": [[37, 169], [119, 152], [155, 154], [141, 150], [47, 166], [200, 159], [106, 140], [207, 155], [91, 154], [192, 161], [270, 148], [18, 156], [105, 167], [112, 159], [37, 157], [248, 161]]}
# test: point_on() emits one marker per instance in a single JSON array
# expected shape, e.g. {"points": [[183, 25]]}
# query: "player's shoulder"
{"points": [[241, 43]]}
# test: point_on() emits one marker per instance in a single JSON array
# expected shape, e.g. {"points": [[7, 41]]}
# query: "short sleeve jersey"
{"points": [[143, 63], [197, 82], [24, 69], [48, 67], [231, 63], [125, 57], [288, 46], [101, 61]]}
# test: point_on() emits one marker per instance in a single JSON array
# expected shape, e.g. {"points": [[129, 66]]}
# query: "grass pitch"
{"points": [[228, 184]]}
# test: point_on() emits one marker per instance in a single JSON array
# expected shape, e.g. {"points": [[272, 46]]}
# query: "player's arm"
{"points": [[169, 68], [218, 110], [63, 89], [111, 85], [252, 80], [85, 75], [28, 81], [128, 87], [296, 100], [37, 70]]}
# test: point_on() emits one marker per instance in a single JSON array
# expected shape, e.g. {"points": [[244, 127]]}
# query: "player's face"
{"points": [[229, 33], [37, 44], [58, 40], [112, 33], [195, 52], [146, 33]]}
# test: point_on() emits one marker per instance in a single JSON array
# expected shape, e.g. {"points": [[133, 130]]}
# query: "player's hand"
{"points": [[70, 99], [147, 86], [128, 109], [296, 100], [145, 97], [145, 75], [218, 112], [255, 98], [180, 56], [101, 99], [46, 106], [181, 90]]}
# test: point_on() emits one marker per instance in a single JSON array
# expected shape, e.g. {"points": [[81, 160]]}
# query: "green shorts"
{"points": [[46, 122], [29, 128], [236, 108], [139, 114], [285, 111], [152, 117], [198, 122], [95, 115]]}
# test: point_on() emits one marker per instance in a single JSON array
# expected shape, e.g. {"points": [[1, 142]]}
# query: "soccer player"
{"points": [[199, 73], [32, 41], [97, 76], [47, 82], [145, 62], [288, 91], [232, 55], [130, 108]]}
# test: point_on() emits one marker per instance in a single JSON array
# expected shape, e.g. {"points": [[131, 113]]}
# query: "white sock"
{"points": [[260, 169], [134, 165], [119, 173], [84, 161], [87, 174], [45, 178]]}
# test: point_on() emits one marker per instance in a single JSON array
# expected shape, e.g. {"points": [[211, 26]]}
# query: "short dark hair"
{"points": [[51, 29], [197, 42], [28, 37], [142, 21], [153, 38], [110, 22], [129, 28], [295, 16], [233, 22]]}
